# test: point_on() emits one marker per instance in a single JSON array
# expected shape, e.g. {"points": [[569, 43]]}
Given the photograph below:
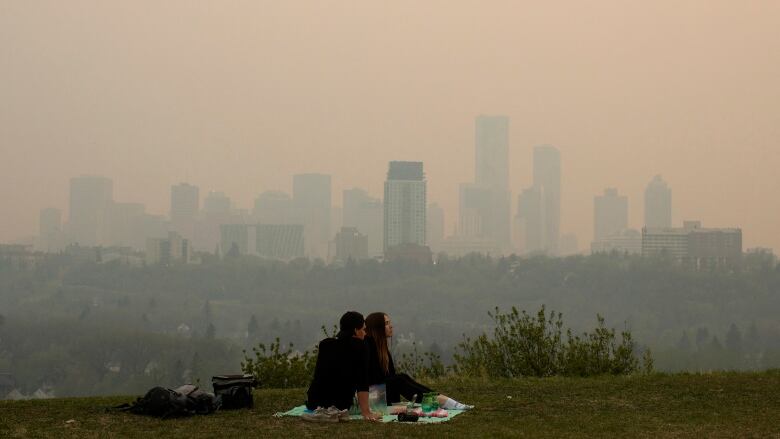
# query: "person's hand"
{"points": [[373, 417]]}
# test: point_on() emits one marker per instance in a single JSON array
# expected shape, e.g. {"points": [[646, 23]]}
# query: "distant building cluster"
{"points": [[403, 223]]}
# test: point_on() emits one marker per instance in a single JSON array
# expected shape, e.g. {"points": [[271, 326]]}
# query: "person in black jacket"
{"points": [[342, 368], [381, 369]]}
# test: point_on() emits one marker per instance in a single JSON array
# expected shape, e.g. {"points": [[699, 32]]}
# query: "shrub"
{"points": [[421, 365], [523, 345], [277, 368]]}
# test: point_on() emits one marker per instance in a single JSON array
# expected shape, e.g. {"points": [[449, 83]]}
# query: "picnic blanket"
{"points": [[301, 409]]}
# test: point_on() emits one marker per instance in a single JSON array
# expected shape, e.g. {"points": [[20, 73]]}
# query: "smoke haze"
{"points": [[239, 96]]}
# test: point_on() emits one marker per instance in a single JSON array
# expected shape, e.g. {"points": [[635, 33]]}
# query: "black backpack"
{"points": [[234, 391], [165, 403]]}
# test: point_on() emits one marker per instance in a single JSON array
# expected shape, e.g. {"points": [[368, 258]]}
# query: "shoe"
{"points": [[320, 415], [464, 407], [342, 415]]}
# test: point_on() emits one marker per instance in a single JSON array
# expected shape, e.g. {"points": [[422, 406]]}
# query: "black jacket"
{"points": [[341, 370]]}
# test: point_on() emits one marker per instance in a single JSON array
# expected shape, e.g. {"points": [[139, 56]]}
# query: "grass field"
{"points": [[724, 405]]}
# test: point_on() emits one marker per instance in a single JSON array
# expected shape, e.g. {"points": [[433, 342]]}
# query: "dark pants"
{"points": [[403, 384]]}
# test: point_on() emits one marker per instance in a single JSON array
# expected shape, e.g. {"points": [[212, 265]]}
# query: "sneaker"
{"points": [[342, 415], [320, 415]]}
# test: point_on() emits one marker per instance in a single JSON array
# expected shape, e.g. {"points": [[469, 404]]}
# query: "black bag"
{"points": [[165, 403], [234, 391]]}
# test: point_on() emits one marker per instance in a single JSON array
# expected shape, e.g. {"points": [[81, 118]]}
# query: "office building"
{"points": [[364, 212], [234, 239], [695, 246], [280, 241], [50, 235], [547, 180], [273, 207], [625, 241], [405, 205], [217, 209], [491, 147], [351, 245], [312, 202], [658, 204], [434, 233], [184, 209], [610, 214], [125, 225], [90, 197], [173, 249], [491, 180], [530, 221]]}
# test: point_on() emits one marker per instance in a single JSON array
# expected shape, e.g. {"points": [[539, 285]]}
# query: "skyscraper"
{"points": [[185, 204], [658, 204], [547, 178], [273, 207], [491, 148], [364, 213], [610, 214], [491, 180], [312, 201], [405, 205], [476, 211], [90, 197], [216, 211], [125, 225], [434, 233], [50, 230], [531, 221]]}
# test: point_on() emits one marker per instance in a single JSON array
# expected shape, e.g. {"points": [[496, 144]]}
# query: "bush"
{"points": [[425, 365], [523, 345], [277, 368]]}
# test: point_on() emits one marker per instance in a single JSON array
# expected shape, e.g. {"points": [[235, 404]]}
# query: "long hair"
{"points": [[375, 327], [350, 321]]}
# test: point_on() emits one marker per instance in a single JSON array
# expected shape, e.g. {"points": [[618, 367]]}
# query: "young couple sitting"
{"points": [[357, 358]]}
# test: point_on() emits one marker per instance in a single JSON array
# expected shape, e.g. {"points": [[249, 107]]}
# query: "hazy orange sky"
{"points": [[239, 95]]}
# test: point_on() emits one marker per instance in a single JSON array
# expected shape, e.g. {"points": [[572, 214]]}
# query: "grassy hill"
{"points": [[682, 405]]}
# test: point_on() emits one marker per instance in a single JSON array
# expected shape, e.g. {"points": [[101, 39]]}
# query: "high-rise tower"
{"points": [[185, 204], [658, 204], [547, 180], [405, 205], [610, 214], [484, 210], [312, 202], [90, 199]]}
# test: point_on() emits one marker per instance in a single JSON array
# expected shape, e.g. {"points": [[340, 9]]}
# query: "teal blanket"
{"points": [[298, 411]]}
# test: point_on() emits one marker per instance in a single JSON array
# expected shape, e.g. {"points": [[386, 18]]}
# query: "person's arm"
{"points": [[365, 410]]}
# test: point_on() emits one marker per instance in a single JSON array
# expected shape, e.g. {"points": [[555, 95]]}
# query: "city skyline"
{"points": [[157, 100]]}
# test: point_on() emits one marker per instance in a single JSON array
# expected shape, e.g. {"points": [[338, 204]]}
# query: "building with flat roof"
{"points": [[280, 241], [350, 244], [364, 212], [184, 209], [90, 198], [405, 205], [695, 246], [234, 236], [626, 241], [658, 204], [312, 201], [174, 249], [610, 213], [547, 177]]}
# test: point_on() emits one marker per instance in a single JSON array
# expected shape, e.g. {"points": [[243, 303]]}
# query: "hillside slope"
{"points": [[681, 405]]}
